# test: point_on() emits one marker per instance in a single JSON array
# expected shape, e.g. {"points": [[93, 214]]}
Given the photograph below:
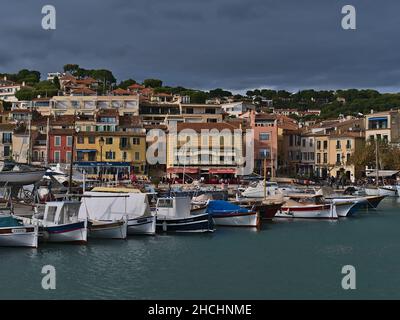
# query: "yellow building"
{"points": [[205, 154], [118, 151], [333, 154]]}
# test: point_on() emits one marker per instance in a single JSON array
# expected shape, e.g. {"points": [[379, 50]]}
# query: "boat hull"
{"points": [[21, 178], [108, 229], [371, 191], [242, 219], [309, 212], [72, 232], [198, 223], [22, 236], [142, 226], [344, 208], [388, 191]]}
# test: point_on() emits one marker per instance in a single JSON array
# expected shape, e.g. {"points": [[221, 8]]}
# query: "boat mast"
{"points": [[72, 155], [29, 139], [47, 142], [376, 164], [265, 177]]}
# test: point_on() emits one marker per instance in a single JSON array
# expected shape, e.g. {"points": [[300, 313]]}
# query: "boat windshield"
{"points": [[165, 203], [69, 213]]}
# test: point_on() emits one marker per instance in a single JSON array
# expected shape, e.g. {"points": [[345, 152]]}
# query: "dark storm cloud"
{"points": [[206, 44]]}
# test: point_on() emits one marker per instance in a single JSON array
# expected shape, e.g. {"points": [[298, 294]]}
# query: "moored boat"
{"points": [[225, 213], [389, 191], [113, 204], [14, 233], [308, 206], [60, 222], [174, 215], [267, 209]]}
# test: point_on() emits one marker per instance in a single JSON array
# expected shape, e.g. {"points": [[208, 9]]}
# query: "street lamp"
{"points": [[101, 143]]}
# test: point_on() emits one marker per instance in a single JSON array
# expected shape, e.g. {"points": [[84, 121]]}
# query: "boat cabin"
{"points": [[173, 207], [61, 212]]}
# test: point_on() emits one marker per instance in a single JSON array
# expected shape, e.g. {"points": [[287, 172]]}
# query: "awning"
{"points": [[182, 170], [222, 170], [102, 164], [377, 118], [382, 173], [86, 150]]}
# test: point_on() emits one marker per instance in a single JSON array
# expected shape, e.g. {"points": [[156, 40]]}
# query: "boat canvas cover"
{"points": [[221, 207], [6, 222], [113, 206]]}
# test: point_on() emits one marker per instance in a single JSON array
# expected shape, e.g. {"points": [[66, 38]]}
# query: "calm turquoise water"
{"points": [[286, 259]]}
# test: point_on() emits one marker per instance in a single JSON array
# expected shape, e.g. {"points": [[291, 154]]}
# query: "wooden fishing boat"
{"points": [[14, 233], [307, 206], [174, 215], [225, 213], [60, 222]]}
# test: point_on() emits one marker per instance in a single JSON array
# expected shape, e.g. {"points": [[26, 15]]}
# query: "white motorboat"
{"points": [[14, 233], [307, 206], [257, 190], [21, 176]]}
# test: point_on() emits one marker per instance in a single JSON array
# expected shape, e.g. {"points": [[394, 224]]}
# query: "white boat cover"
{"points": [[113, 206]]}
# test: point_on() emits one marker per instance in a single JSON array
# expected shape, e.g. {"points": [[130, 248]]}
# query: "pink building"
{"points": [[265, 141]]}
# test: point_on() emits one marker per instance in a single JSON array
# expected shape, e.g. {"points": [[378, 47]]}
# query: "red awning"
{"points": [[222, 170], [182, 170]]}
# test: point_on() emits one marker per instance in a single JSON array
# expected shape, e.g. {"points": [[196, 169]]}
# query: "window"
{"points": [[123, 142], [325, 157], [135, 141], [348, 144], [109, 140], [338, 155], [348, 157], [57, 141], [338, 144], [311, 142], [110, 155], [304, 142], [137, 155], [6, 151], [91, 139], [51, 214], [318, 158], [68, 156], [92, 156], [311, 156], [56, 156], [69, 141], [386, 138], [124, 155], [264, 136], [165, 203], [7, 137], [80, 156], [325, 144], [318, 145], [264, 153], [81, 139], [291, 140]]}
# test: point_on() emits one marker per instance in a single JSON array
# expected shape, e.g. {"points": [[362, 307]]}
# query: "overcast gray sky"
{"points": [[234, 44]]}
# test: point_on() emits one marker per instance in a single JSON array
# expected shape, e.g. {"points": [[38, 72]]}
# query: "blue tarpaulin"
{"points": [[221, 206]]}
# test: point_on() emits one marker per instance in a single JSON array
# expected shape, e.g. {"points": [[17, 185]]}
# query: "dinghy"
{"points": [[174, 215], [14, 233], [225, 213]]}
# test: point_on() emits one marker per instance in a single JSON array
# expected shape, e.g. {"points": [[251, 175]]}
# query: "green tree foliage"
{"points": [[126, 83], [219, 93], [30, 77], [56, 82], [43, 89], [152, 83]]}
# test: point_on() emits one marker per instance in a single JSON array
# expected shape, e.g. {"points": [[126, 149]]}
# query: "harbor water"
{"points": [[286, 259]]}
